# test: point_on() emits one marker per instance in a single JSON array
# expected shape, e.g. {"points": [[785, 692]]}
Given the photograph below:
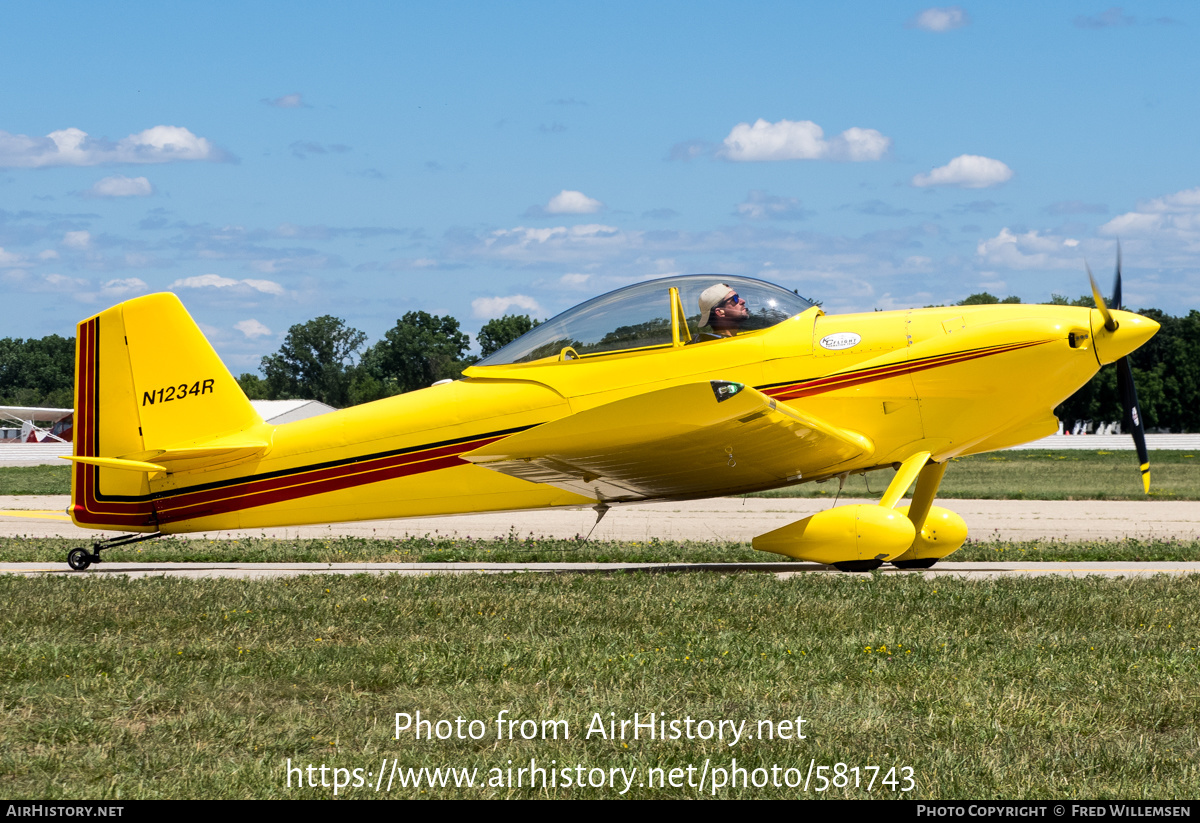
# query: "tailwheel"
{"points": [[858, 565], [79, 559], [923, 563]]}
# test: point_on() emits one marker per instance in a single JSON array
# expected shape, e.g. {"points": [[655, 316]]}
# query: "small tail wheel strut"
{"points": [[80, 559]]}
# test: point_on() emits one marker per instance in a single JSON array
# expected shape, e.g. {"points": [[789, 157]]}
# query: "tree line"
{"points": [[325, 359]]}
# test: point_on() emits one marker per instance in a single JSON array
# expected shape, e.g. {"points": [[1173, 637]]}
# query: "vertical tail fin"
{"points": [[150, 395]]}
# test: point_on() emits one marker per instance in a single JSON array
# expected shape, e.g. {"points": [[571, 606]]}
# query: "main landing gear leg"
{"points": [[922, 500], [80, 559]]}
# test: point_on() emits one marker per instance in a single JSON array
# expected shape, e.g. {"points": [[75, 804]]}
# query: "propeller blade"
{"points": [[1110, 322], [1117, 282], [1133, 413]]}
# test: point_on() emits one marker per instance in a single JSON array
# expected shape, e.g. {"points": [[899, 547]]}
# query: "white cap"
{"points": [[709, 298]]}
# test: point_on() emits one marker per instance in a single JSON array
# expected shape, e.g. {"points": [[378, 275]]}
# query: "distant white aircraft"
{"points": [[61, 423]]}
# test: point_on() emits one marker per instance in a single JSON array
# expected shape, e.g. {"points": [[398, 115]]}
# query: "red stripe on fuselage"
{"points": [[821, 385], [305, 483]]}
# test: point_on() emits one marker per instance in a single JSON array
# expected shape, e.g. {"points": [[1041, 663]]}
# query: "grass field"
{"points": [[35, 479], [1034, 688], [515, 549], [1039, 475], [1009, 475], [1028, 688]]}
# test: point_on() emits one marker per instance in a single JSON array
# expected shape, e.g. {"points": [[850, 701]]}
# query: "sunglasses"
{"points": [[733, 298]]}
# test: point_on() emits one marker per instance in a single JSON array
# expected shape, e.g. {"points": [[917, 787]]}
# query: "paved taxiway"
{"points": [[732, 519], [728, 518]]}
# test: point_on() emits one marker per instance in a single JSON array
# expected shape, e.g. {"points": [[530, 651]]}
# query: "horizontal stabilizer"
{"points": [[116, 463], [223, 451], [698, 439]]}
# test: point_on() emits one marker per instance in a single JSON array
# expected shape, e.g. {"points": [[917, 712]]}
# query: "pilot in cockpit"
{"points": [[722, 310]]}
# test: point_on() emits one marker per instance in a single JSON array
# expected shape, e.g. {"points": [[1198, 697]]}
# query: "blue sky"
{"points": [[272, 162]]}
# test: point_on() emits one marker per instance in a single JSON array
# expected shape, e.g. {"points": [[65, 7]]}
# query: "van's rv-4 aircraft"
{"points": [[622, 399]]}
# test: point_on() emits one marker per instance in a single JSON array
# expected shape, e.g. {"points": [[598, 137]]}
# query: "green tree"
{"points": [[984, 299], [1086, 301], [315, 362], [37, 371], [1166, 372], [499, 332], [254, 386], [418, 351]]}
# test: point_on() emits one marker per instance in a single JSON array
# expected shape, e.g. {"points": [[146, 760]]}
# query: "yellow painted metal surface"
{"points": [[844, 534], [942, 532], [822, 396]]}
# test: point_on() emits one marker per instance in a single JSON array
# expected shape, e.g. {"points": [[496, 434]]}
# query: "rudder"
{"points": [[150, 391]]}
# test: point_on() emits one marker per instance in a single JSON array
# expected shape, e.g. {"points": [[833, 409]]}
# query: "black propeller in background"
{"points": [[1133, 412]]}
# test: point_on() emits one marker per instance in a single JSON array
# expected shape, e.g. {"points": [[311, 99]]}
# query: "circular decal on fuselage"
{"points": [[839, 341]]}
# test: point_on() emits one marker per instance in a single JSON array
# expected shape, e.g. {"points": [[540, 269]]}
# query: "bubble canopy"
{"points": [[639, 317]]}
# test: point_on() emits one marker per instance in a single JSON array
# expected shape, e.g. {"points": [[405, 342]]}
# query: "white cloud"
{"points": [[216, 281], [119, 186], [759, 205], [573, 202], [265, 286], [525, 238], [48, 254], [1112, 17], [857, 145], [574, 280], [77, 239], [1181, 202], [1174, 218], [252, 328], [73, 147], [8, 258], [689, 150], [139, 259], [288, 101], [279, 264], [1031, 250], [940, 19], [60, 282], [123, 287], [968, 171], [800, 140], [79, 290], [486, 308]]}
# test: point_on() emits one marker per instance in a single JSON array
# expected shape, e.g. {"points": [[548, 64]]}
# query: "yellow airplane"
{"points": [[680, 388]]}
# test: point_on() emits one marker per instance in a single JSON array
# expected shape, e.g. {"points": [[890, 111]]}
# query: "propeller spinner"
{"points": [[1133, 412]]}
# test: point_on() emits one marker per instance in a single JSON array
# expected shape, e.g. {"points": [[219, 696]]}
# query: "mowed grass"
{"points": [[35, 479], [1038, 475], [1007, 475], [1032, 688], [517, 549]]}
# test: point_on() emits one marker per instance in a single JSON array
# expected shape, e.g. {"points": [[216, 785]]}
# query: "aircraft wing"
{"points": [[19, 414], [695, 440]]}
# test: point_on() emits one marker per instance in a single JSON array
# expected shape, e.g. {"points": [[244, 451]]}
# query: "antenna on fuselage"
{"points": [[841, 482], [601, 509]]}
